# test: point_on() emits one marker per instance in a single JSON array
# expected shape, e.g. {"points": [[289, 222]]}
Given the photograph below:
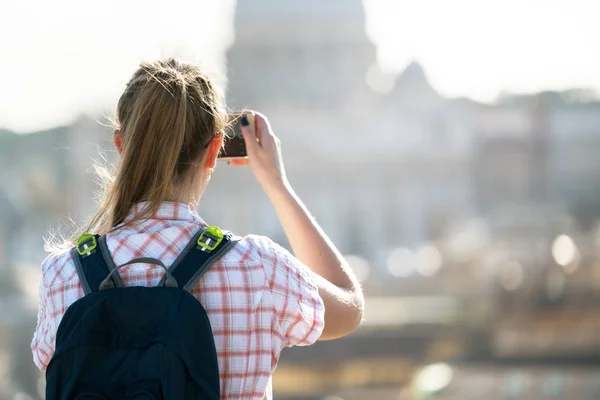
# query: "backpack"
{"points": [[137, 343]]}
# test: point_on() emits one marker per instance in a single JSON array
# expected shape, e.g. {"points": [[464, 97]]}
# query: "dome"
{"points": [[265, 9], [292, 21]]}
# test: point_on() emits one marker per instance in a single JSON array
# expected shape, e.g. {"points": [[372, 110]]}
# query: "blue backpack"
{"points": [[137, 343]]}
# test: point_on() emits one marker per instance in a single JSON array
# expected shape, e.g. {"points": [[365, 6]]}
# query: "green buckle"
{"points": [[87, 247], [212, 233]]}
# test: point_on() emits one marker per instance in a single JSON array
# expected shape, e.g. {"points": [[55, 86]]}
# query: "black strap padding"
{"points": [[109, 260], [92, 268], [193, 262]]}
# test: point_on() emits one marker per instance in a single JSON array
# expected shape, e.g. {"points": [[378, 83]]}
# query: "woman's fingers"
{"points": [[238, 162], [250, 136], [263, 130]]}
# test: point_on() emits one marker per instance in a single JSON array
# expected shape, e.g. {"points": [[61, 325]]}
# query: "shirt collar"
{"points": [[168, 210]]}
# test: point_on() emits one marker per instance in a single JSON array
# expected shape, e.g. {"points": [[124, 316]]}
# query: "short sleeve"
{"points": [[54, 298], [300, 309], [42, 345]]}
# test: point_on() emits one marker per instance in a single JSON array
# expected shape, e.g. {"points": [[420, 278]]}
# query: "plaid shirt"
{"points": [[259, 298]]}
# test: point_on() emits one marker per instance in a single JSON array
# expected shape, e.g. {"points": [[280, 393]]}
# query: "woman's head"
{"points": [[168, 132], [170, 120]]}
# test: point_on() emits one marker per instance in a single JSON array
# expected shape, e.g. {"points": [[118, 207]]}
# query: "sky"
{"points": [[62, 58]]}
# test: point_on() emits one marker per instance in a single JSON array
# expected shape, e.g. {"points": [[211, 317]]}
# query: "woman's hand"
{"points": [[264, 153]]}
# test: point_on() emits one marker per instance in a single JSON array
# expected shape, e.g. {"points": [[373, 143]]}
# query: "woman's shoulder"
{"points": [[260, 248], [276, 260], [58, 267]]}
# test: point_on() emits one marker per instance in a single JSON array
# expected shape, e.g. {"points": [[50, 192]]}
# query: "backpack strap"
{"points": [[93, 262], [206, 247]]}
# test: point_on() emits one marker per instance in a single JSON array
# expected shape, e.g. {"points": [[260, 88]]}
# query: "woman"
{"points": [[170, 122]]}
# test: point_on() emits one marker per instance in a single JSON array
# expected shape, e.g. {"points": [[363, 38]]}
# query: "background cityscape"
{"points": [[473, 226]]}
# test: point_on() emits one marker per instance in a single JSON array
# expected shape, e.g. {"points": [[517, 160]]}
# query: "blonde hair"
{"points": [[168, 114]]}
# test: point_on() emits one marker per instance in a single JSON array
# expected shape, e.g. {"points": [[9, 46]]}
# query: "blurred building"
{"points": [[410, 164], [47, 177], [393, 163]]}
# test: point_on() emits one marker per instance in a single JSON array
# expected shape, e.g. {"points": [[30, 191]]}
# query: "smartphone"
{"points": [[234, 145]]}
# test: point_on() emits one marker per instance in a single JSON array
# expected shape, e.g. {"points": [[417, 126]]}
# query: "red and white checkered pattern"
{"points": [[259, 298]]}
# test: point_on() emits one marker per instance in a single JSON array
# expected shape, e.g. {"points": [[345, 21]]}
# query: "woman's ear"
{"points": [[118, 140], [213, 150]]}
